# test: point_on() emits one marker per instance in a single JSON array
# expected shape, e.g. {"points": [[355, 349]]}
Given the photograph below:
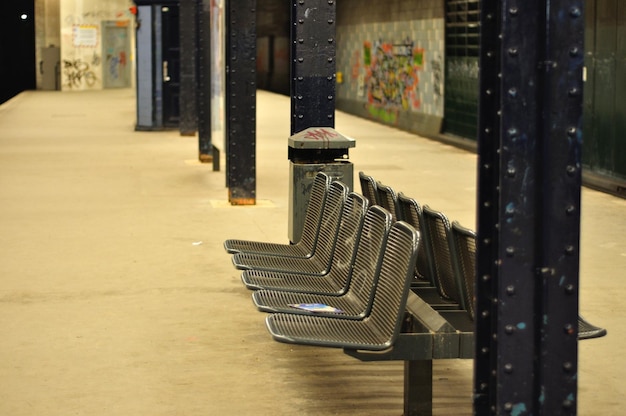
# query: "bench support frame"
{"points": [[418, 388], [425, 336]]}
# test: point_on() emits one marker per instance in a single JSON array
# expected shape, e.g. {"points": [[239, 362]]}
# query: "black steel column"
{"points": [[241, 101], [530, 144], [488, 135], [312, 64], [562, 89], [205, 128], [187, 104]]}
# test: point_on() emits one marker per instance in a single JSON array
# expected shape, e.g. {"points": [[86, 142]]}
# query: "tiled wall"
{"points": [[390, 58], [352, 12]]}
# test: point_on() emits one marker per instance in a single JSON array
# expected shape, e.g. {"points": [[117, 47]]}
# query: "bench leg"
{"points": [[418, 388]]}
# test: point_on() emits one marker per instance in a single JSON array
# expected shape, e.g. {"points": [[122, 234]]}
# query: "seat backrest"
{"points": [[352, 218], [313, 215], [465, 244], [331, 219], [388, 199], [368, 188], [447, 280], [396, 272], [368, 259], [411, 212]]}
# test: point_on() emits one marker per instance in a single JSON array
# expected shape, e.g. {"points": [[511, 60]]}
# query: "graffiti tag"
{"points": [[320, 134], [437, 77], [78, 74]]}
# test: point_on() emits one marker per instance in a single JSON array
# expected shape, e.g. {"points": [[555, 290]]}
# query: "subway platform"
{"points": [[117, 297]]}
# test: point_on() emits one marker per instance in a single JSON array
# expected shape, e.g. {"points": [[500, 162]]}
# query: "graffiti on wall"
{"points": [[437, 67], [78, 74], [84, 63], [391, 80], [116, 64]]}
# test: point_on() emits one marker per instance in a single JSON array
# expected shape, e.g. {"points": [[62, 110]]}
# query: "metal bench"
{"points": [[368, 188], [399, 326], [411, 211], [378, 330], [354, 298], [310, 231], [340, 272], [388, 198], [396, 323], [428, 334], [319, 262], [440, 254]]}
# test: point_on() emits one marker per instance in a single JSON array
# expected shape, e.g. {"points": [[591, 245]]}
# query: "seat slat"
{"points": [[388, 198], [412, 213], [368, 188]]}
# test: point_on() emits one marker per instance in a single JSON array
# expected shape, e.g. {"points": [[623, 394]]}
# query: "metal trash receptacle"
{"points": [[316, 149]]}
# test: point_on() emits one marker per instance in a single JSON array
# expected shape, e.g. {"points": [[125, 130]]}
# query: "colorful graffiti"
{"points": [[391, 79], [116, 63], [386, 115]]}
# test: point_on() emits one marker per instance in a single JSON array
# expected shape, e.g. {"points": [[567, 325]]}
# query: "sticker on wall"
{"points": [[360, 85], [85, 36]]}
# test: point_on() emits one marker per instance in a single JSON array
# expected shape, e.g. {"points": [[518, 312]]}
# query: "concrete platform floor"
{"points": [[116, 297]]}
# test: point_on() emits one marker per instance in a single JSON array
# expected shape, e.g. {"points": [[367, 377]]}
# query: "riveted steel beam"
{"points": [[529, 206], [205, 146], [313, 64], [188, 35], [241, 101]]}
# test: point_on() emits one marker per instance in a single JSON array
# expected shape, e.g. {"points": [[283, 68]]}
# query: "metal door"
{"points": [[170, 65], [116, 52], [50, 68]]}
